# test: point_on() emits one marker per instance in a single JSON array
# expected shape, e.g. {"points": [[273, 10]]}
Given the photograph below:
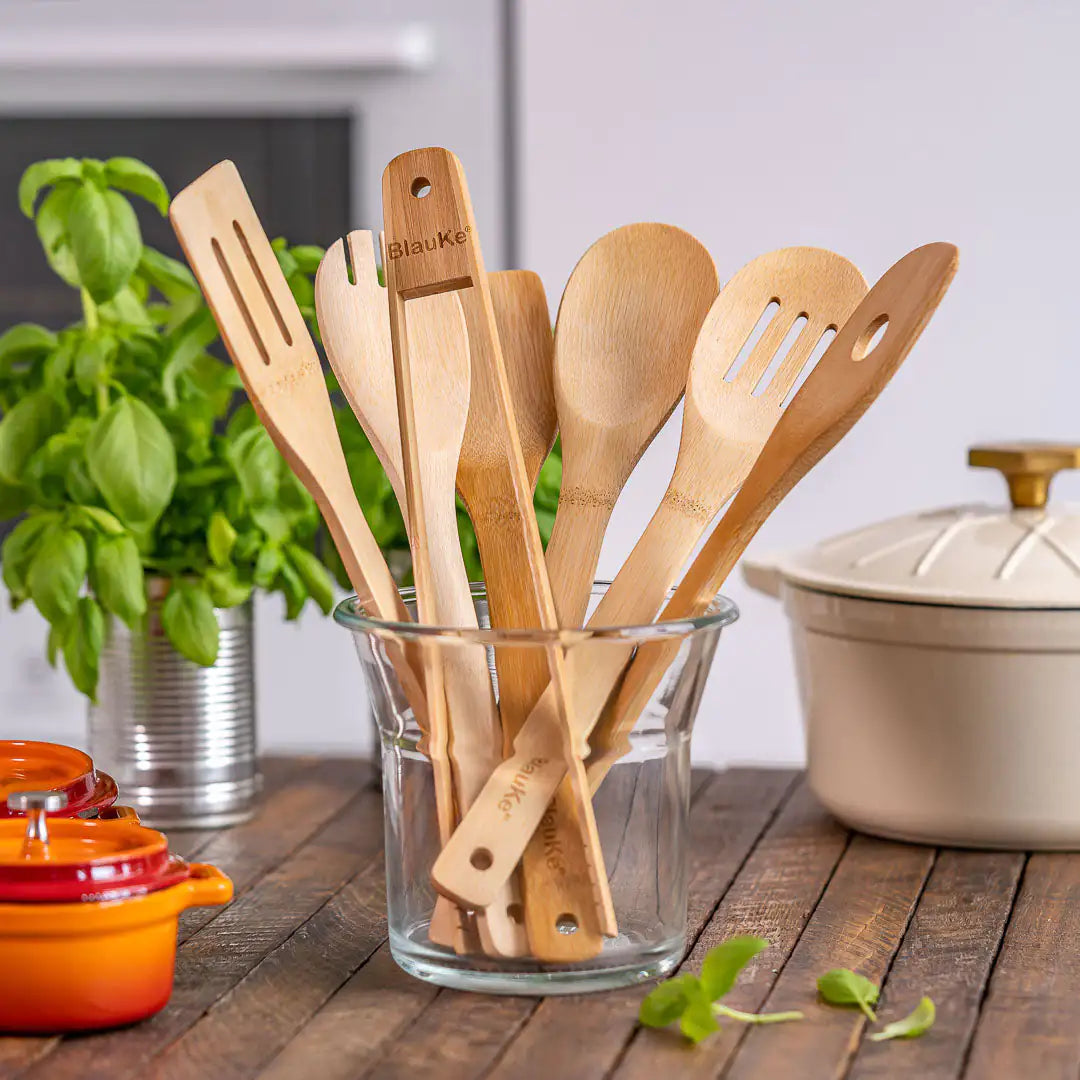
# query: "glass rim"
{"points": [[721, 612]]}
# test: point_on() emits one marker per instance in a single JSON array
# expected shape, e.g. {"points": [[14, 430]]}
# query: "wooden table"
{"points": [[294, 979]]}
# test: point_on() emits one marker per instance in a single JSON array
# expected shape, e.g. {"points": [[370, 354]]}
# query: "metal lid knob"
{"points": [[1028, 467], [36, 804]]}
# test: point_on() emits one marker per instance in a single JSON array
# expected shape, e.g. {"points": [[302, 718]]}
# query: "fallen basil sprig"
{"points": [[842, 986], [694, 1001], [920, 1019]]}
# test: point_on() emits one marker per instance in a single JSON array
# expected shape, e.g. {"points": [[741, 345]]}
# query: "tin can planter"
{"points": [[179, 738]]}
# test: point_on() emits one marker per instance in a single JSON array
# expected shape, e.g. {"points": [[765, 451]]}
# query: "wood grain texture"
{"points": [[947, 955], [1030, 1021], [858, 924], [774, 896], [433, 246], [627, 323], [842, 386]]}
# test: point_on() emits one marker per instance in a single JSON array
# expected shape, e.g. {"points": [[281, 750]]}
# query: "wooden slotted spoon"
{"points": [[627, 324], [842, 386], [725, 423]]}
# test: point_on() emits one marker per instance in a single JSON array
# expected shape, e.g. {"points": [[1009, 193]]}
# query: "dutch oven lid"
{"points": [[1023, 556], [42, 766], [72, 860]]}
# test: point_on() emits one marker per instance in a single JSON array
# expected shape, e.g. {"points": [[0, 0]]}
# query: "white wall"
{"points": [[866, 128]]}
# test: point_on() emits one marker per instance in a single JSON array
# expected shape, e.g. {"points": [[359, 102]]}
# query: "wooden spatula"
{"points": [[627, 324], [355, 324], [842, 386], [432, 246], [272, 349], [725, 423]]}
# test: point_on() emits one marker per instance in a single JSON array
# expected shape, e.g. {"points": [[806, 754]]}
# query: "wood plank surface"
{"points": [[295, 977], [1030, 1022]]}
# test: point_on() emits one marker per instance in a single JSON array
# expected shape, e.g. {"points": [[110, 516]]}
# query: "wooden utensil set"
{"points": [[460, 387]]}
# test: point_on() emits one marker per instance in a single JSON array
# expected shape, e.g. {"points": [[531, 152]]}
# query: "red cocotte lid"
{"points": [[70, 860], [42, 766]]}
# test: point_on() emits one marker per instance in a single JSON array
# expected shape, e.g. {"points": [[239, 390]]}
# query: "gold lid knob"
{"points": [[1028, 467]]}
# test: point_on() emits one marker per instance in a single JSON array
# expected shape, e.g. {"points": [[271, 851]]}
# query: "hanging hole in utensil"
{"points": [[750, 343], [481, 859], [870, 338], [797, 327], [516, 913], [816, 354], [566, 923], [421, 187]]}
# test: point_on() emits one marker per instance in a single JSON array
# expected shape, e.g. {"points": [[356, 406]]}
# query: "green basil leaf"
{"points": [[93, 170], [842, 986], [307, 257], [257, 464], [25, 342], [51, 223], [84, 638], [118, 578], [77, 483], [127, 309], [57, 573], [220, 539], [187, 617], [918, 1021], [285, 260], [44, 174], [130, 174], [19, 549], [268, 565], [46, 470], [105, 240], [132, 460], [724, 962], [24, 429], [315, 576], [57, 365], [697, 1021], [664, 1005], [94, 517], [296, 594], [170, 277], [273, 521], [185, 344], [14, 499], [225, 588], [93, 361], [54, 643]]}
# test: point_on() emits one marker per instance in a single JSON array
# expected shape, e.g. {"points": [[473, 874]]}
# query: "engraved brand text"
{"points": [[397, 249], [515, 791], [553, 849]]}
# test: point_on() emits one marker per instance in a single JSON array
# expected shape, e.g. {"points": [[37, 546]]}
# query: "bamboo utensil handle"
{"points": [[432, 247]]}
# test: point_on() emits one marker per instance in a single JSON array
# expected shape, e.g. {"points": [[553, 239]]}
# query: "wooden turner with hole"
{"points": [[843, 385], [432, 246], [272, 350], [354, 320], [725, 424]]}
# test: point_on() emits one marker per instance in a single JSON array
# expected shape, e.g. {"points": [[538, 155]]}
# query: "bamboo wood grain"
{"points": [[724, 426], [432, 246], [627, 324], [355, 323], [842, 386]]}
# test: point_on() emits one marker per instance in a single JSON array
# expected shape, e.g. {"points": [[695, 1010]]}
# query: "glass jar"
{"points": [[641, 804]]}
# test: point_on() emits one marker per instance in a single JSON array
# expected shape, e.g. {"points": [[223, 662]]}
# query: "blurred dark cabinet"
{"points": [[297, 168]]}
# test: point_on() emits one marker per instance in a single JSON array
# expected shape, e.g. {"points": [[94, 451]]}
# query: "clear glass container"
{"points": [[641, 806]]}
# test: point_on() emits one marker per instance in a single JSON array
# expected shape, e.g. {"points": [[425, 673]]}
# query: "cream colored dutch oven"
{"points": [[938, 659]]}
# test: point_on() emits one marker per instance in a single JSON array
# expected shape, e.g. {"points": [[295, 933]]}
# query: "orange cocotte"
{"points": [[88, 916]]}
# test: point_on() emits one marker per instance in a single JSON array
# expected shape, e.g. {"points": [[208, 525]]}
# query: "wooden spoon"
{"points": [[627, 324], [355, 323], [433, 246], [724, 425], [837, 392]]}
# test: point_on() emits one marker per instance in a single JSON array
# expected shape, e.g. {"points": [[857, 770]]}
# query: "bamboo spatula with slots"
{"points": [[432, 246], [272, 349], [725, 423]]}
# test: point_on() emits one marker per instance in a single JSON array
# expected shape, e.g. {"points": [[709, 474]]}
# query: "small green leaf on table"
{"points": [[918, 1021], [842, 986]]}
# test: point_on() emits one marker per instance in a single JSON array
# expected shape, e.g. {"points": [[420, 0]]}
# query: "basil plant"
{"points": [[129, 451]]}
